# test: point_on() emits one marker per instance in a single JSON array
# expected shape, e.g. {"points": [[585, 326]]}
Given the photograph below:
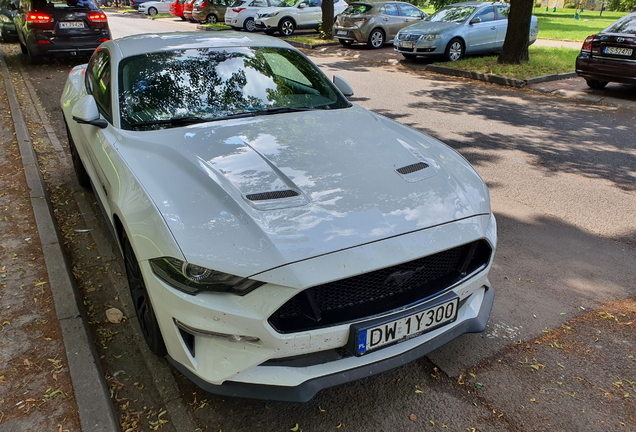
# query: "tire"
{"points": [[409, 56], [376, 39], [183, 18], [249, 25], [286, 27], [141, 302], [23, 48], [454, 50], [596, 84], [344, 42], [211, 19], [152, 11], [80, 172], [34, 59]]}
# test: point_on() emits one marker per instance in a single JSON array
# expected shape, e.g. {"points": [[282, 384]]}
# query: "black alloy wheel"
{"points": [[211, 19], [596, 84], [286, 27], [376, 39], [141, 302]]}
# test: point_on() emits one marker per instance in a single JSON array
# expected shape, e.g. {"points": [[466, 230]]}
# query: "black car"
{"points": [[8, 10], [60, 27], [610, 56]]}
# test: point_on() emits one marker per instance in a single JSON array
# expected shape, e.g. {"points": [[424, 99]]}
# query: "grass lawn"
{"points": [[311, 40], [543, 61], [562, 25]]}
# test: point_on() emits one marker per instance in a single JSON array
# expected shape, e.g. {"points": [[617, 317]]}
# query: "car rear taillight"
{"points": [[204, 4], [97, 17], [39, 18], [360, 20], [237, 10], [587, 45]]}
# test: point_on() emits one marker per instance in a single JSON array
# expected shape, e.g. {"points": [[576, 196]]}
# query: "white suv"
{"points": [[243, 12], [293, 14]]}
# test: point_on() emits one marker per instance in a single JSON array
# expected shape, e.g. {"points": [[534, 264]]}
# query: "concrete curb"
{"points": [[91, 392], [496, 79]]}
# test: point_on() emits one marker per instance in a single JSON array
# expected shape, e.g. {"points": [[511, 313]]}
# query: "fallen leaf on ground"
{"points": [[114, 315]]}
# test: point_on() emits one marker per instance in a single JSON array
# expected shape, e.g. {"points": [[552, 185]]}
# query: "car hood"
{"points": [[428, 27], [248, 195]]}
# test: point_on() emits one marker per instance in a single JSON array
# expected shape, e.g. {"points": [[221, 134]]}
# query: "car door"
{"points": [[309, 15], [501, 22], [481, 31], [390, 20]]}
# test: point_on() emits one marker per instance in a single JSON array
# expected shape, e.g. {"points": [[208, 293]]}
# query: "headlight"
{"points": [[193, 279], [5, 19], [269, 15], [431, 36]]}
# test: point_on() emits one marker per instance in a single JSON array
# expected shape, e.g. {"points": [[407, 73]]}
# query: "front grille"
{"points": [[379, 291], [408, 37]]}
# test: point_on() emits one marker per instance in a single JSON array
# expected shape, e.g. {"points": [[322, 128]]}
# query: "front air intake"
{"points": [[410, 169], [264, 196]]}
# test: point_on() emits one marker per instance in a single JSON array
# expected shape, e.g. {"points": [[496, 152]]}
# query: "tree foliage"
{"points": [[438, 4]]}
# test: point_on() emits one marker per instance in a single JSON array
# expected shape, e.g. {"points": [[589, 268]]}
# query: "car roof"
{"points": [[155, 42]]}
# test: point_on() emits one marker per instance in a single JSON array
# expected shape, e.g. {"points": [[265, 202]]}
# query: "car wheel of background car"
{"points": [[183, 18], [410, 56], [454, 50], [211, 19], [33, 58], [141, 302], [596, 84], [376, 39], [249, 25], [286, 27], [344, 42], [80, 172], [152, 11]]}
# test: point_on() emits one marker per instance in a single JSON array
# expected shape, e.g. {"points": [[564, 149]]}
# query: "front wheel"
{"points": [[454, 50], [152, 11], [211, 19], [286, 27], [596, 84], [141, 302], [376, 39], [249, 25]]}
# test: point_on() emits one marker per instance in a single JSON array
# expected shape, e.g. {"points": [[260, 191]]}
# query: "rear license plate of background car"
{"points": [[405, 44], [618, 51], [409, 326], [72, 24]]}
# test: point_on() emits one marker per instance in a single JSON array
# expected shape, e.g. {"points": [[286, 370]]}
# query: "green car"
{"points": [[374, 23]]}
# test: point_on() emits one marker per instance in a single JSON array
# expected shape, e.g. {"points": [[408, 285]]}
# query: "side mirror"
{"points": [[424, 15], [85, 112], [475, 20], [302, 5], [343, 86]]}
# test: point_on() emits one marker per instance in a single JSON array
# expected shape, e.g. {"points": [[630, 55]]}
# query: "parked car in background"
{"points": [[374, 23], [60, 27], [8, 10], [176, 9], [610, 56], [187, 10], [459, 29], [135, 3], [243, 13], [209, 11], [153, 8], [277, 238], [293, 14]]}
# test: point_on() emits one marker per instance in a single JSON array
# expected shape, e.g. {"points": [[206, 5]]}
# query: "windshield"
{"points": [[625, 25], [212, 84], [357, 8], [452, 14]]}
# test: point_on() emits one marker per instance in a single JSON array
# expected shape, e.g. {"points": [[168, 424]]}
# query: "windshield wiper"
{"points": [[174, 121], [268, 111]]}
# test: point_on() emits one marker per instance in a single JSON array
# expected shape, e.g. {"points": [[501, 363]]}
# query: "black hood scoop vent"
{"points": [[410, 169], [264, 196]]}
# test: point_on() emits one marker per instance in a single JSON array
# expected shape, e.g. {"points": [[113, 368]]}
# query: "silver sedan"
{"points": [[459, 29]]}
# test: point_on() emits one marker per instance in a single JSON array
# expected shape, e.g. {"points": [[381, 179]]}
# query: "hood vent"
{"points": [[263, 196], [410, 169]]}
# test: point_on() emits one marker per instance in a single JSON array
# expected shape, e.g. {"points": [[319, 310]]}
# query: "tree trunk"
{"points": [[515, 47], [327, 19]]}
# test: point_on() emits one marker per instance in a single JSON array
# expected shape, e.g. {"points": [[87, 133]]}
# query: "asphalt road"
{"points": [[562, 177]]}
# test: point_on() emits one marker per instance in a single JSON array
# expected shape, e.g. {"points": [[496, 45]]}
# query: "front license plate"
{"points": [[406, 44], [416, 322], [72, 24], [342, 32], [618, 51]]}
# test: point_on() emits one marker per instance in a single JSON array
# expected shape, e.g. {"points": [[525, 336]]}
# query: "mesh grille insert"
{"points": [[409, 169], [272, 195], [380, 291]]}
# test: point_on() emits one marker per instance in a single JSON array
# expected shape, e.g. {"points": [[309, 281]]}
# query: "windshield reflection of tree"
{"points": [[213, 83], [456, 14]]}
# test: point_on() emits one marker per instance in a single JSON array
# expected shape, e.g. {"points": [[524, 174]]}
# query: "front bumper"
{"points": [[266, 23], [420, 47], [216, 358]]}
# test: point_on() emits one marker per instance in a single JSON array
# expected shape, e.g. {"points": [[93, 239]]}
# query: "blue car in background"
{"points": [[459, 29], [8, 10]]}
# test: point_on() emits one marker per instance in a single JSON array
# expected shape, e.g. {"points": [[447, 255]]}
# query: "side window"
{"points": [[98, 77], [502, 12], [410, 11], [487, 14], [259, 3], [313, 3], [389, 9]]}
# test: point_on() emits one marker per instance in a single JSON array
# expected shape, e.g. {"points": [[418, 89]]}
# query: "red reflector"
{"points": [[39, 18], [587, 45], [103, 40], [237, 10], [204, 5], [97, 17], [44, 42]]}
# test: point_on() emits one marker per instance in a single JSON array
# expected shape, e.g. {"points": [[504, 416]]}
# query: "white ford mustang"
{"points": [[278, 239]]}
